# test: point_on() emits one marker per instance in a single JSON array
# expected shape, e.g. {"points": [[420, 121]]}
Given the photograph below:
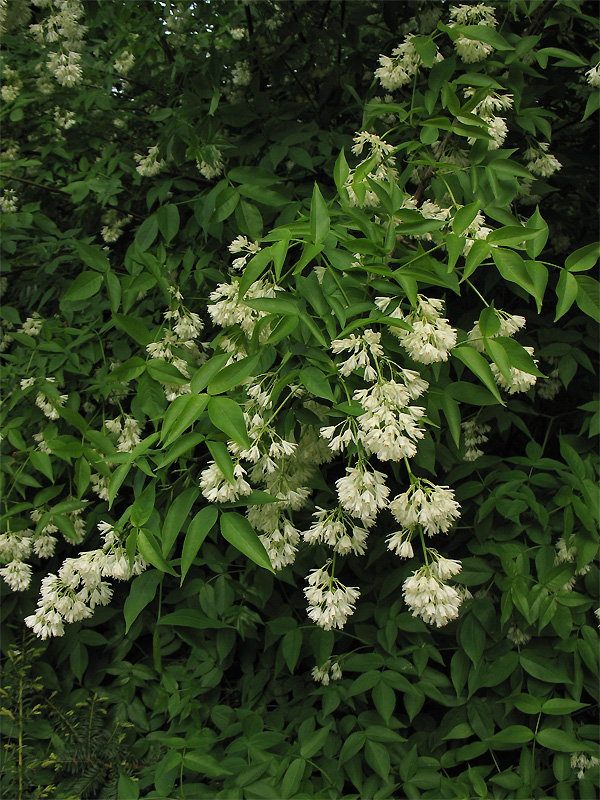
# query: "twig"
{"points": [[57, 190]]}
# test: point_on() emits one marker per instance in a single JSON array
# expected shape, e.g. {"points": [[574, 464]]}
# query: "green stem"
{"points": [[477, 292]]}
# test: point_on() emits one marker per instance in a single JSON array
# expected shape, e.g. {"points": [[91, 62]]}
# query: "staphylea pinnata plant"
{"points": [[312, 335]]}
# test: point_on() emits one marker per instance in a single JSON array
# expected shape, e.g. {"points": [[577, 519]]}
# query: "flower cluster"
{"points": [[149, 165], [128, 429], [540, 162], [62, 26], [382, 169], [362, 492], [78, 588], [113, 225], [327, 672], [361, 349], [475, 434], [124, 63], [229, 309], [429, 597], [338, 530], [8, 201], [241, 244], [11, 84], [432, 507], [431, 337], [399, 70], [217, 488], [593, 76], [210, 163], [330, 603]]}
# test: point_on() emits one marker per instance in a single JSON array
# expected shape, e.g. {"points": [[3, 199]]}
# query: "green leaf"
{"points": [[588, 296], [464, 217], [314, 743], [92, 256], [249, 219], [146, 233], [164, 372], [512, 235], [262, 196], [42, 463], [472, 638], [567, 289], [143, 506], [478, 366], [290, 647], [113, 287], [341, 170], [226, 415], [142, 592], [134, 327], [293, 778], [176, 516], [512, 268], [514, 734], [116, 480], [85, 285], [483, 33], [231, 376], [237, 531], [517, 355], [556, 739], [205, 764], [197, 531], [254, 269], [181, 413], [207, 372], [316, 383], [543, 669], [319, 217], [535, 245], [352, 745], [149, 550], [168, 221], [478, 252], [220, 453], [378, 758], [128, 370], [562, 705], [275, 305], [190, 618], [489, 321]]}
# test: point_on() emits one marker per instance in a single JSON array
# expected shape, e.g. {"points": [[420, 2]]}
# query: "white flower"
{"points": [[66, 68], [336, 529], [130, 434], [362, 493], [32, 325], [125, 62], [433, 507], [474, 434], [389, 427], [517, 636], [593, 76], [431, 338], [217, 488], [15, 545], [237, 33], [50, 406], [397, 71], [8, 201], [472, 51], [476, 14], [430, 598], [17, 574], [149, 165], [241, 75], [540, 161], [362, 349], [330, 602]]}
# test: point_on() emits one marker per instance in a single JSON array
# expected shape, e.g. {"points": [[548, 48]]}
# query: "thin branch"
{"points": [[542, 11], [249, 22], [57, 190]]}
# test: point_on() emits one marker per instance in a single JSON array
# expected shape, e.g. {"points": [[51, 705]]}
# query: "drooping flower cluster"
{"points": [[428, 595], [11, 84], [338, 530], [327, 672], [382, 168], [361, 349], [431, 337], [113, 226], [241, 244], [124, 63], [210, 162], [217, 488], [330, 603], [62, 26], [8, 201], [474, 433], [362, 492], [486, 109], [432, 507], [593, 76], [399, 70], [150, 165], [229, 309], [540, 162], [128, 429], [78, 588]]}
